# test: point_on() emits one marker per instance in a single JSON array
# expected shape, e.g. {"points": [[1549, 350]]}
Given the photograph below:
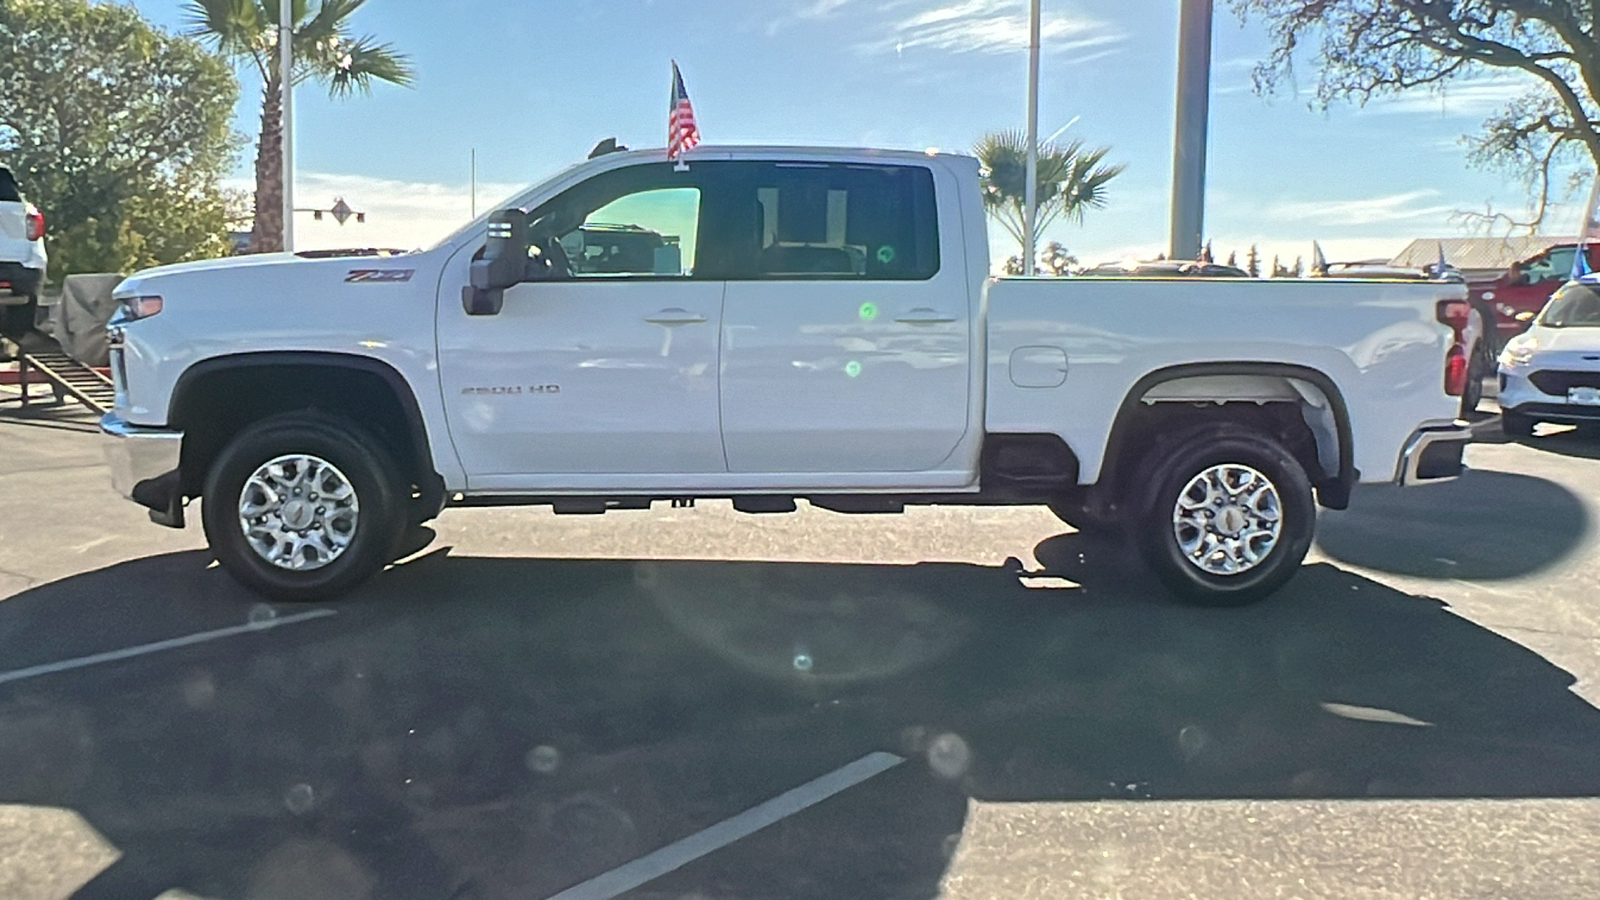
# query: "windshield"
{"points": [[1574, 306]]}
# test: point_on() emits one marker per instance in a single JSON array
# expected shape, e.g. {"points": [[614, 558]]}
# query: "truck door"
{"points": [[606, 366], [846, 331]]}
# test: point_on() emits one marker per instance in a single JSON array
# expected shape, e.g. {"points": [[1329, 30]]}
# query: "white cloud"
{"points": [[818, 9], [1476, 97], [810, 10], [403, 215], [993, 26], [1365, 211]]}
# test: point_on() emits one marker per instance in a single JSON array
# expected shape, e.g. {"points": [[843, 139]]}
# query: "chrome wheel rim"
{"points": [[299, 512], [1228, 519]]}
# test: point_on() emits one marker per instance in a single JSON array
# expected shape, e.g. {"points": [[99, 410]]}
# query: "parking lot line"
{"points": [[169, 644], [680, 853]]}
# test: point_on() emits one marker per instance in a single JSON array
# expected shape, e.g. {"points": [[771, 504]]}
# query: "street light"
{"points": [[1193, 121], [1030, 239], [340, 211]]}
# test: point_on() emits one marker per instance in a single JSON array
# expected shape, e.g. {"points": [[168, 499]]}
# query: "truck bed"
{"points": [[1379, 342]]}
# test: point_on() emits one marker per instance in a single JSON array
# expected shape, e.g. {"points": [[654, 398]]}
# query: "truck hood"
{"points": [[280, 267], [1568, 340]]}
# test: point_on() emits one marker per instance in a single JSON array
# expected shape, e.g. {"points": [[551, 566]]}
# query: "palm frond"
{"points": [[364, 60], [233, 27], [326, 27], [1071, 180]]}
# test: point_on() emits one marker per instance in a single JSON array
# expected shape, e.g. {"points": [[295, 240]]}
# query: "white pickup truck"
{"points": [[767, 325]]}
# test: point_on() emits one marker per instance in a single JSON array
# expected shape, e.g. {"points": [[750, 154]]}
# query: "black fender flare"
{"points": [[429, 480], [1333, 493]]}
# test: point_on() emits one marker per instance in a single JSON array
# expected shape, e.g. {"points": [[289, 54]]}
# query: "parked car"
{"points": [[830, 333], [1523, 289], [22, 258], [1166, 268], [1380, 271], [1551, 372]]}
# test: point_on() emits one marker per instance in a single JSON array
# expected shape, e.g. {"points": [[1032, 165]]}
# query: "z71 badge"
{"points": [[378, 276]]}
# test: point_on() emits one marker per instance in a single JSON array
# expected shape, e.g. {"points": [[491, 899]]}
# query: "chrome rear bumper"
{"points": [[1433, 453]]}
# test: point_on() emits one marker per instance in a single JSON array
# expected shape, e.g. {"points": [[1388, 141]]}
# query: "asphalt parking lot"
{"points": [[690, 703]]}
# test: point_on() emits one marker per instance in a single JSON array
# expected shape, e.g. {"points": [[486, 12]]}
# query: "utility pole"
{"points": [[1030, 215], [286, 75], [1193, 123]]}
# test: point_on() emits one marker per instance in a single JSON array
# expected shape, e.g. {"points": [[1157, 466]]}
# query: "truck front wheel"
{"points": [[303, 506], [1230, 517]]}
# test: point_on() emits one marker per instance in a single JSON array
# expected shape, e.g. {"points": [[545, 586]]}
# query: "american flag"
{"points": [[682, 132]]}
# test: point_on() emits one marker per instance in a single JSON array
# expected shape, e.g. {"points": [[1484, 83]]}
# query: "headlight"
{"points": [[131, 309], [1519, 352]]}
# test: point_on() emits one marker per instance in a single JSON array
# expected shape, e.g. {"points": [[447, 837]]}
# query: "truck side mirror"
{"points": [[504, 263]]}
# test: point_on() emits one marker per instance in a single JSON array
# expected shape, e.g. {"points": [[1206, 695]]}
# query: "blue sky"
{"points": [[533, 84]]}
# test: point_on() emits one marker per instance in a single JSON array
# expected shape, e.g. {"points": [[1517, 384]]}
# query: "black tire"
{"points": [[371, 471], [1472, 393], [1516, 425], [1187, 456], [17, 321]]}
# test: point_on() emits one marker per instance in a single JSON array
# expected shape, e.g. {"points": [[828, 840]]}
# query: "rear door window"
{"points": [[804, 221]]}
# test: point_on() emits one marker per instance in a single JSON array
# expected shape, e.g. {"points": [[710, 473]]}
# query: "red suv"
{"points": [[1522, 290]]}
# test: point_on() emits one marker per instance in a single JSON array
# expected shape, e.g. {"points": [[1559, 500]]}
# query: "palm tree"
{"points": [[324, 51], [1072, 180], [1056, 260]]}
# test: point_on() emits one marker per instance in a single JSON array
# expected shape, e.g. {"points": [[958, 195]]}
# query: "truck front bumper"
{"points": [[1433, 453], [144, 467]]}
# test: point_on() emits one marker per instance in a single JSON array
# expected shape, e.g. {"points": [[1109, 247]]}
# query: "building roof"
{"points": [[1495, 253]]}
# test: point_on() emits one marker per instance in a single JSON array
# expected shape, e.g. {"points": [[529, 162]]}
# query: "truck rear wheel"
{"points": [[1230, 517], [303, 506]]}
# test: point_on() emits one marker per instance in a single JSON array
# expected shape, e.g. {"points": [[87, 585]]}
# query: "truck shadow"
{"points": [[1484, 525], [485, 728]]}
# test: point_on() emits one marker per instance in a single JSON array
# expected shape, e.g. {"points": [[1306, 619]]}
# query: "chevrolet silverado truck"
{"points": [[816, 324]]}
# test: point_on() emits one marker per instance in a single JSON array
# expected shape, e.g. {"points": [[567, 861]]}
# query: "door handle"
{"points": [[925, 316], [675, 316]]}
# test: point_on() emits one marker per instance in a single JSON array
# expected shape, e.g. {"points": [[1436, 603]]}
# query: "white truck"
{"points": [[22, 258], [765, 325]]}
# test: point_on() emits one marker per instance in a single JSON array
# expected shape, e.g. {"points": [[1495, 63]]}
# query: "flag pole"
{"points": [[286, 74], [1030, 239], [1580, 260]]}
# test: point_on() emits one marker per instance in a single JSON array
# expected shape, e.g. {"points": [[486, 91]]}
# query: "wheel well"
{"points": [[217, 399], [1300, 407]]}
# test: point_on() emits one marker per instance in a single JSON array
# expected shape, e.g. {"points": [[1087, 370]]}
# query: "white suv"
{"points": [[22, 258]]}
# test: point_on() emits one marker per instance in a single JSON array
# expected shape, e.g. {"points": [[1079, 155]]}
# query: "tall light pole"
{"points": [[1194, 112], [1030, 190], [286, 76]]}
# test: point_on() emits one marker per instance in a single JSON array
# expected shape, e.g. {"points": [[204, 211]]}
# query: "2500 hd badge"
{"points": [[513, 389]]}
